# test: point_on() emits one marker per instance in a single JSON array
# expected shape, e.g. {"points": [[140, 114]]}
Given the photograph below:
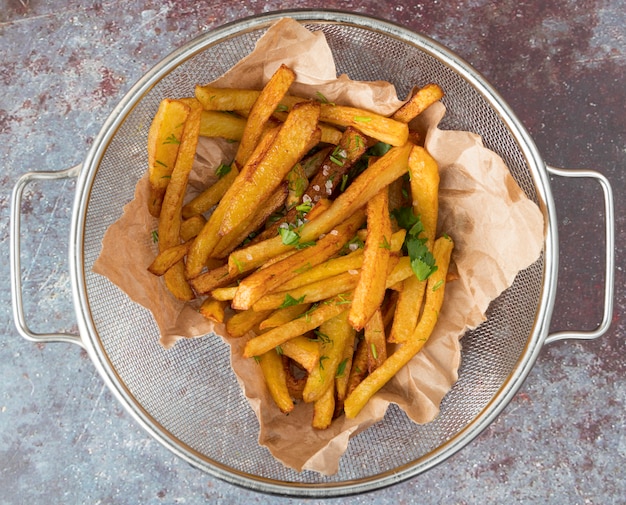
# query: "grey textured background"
{"points": [[64, 66]]}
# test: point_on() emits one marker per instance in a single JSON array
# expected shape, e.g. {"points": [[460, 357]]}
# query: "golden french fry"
{"points": [[221, 124], [170, 215], [212, 195], [215, 310], [303, 351], [264, 280], [310, 293], [324, 408], [214, 278], [189, 228], [276, 380], [311, 320], [407, 310], [167, 258], [370, 290], [418, 103], [343, 375], [284, 315], [402, 355], [373, 125], [164, 139], [358, 371], [425, 190], [263, 108], [334, 334], [257, 180], [224, 294], [245, 321], [388, 168], [228, 243], [226, 99], [375, 340]]}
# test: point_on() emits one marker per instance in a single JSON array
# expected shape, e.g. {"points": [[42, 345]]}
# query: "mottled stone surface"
{"points": [[65, 64]]}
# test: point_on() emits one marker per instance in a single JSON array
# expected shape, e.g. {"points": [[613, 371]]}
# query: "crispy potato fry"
{"points": [[343, 374], [310, 293], [334, 334], [358, 371], [221, 124], [418, 103], [277, 336], [370, 290], [167, 258], [264, 280], [375, 340], [214, 278], [215, 310], [407, 310], [302, 350], [276, 380], [228, 243], [224, 294], [284, 315], [226, 99], [189, 228], [170, 215], [247, 320], [388, 168], [257, 180], [324, 408], [403, 354], [164, 139], [373, 125], [263, 108], [212, 195], [425, 190]]}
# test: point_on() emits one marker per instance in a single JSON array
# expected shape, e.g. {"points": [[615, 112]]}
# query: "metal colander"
{"points": [[187, 397]]}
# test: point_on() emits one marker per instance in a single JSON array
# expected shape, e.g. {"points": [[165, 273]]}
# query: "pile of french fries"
{"points": [[317, 243]]}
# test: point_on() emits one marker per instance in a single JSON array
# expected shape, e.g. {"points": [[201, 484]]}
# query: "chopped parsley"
{"points": [[341, 369], [171, 140], [155, 236], [422, 260], [223, 169], [290, 301]]}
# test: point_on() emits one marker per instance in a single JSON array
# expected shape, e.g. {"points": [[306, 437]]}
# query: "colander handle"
{"points": [[609, 261], [16, 271]]}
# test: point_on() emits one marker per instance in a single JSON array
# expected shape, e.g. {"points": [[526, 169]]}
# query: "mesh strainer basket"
{"points": [[187, 397]]}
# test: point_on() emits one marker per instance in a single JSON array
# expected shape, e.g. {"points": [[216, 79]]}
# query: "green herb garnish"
{"points": [[422, 260], [222, 170], [290, 301], [171, 140]]}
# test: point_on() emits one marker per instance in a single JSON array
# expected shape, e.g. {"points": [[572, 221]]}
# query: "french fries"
{"points": [[311, 244]]}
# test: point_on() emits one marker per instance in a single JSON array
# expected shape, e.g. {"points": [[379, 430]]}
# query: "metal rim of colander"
{"points": [[89, 332]]}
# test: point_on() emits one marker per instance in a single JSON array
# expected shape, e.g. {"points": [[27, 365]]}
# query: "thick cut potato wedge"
{"points": [[164, 138], [370, 290], [257, 181]]}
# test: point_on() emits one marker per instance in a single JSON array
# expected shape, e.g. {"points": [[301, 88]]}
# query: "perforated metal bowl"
{"points": [[187, 397]]}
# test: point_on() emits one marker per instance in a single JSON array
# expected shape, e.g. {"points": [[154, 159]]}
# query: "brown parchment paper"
{"points": [[496, 229]]}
